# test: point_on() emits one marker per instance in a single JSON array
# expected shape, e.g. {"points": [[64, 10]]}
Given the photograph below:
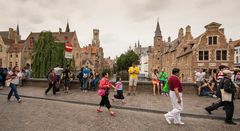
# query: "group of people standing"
{"points": [[160, 81], [88, 79]]}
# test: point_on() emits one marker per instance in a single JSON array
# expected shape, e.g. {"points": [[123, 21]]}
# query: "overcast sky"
{"points": [[121, 22]]}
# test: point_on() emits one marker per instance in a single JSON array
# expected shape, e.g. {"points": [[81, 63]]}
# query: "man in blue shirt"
{"points": [[86, 74]]}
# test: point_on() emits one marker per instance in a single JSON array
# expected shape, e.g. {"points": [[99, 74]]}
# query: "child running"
{"points": [[119, 88], [104, 87]]}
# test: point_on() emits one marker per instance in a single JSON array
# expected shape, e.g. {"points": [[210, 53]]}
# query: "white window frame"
{"points": [[221, 54], [203, 55], [212, 40]]}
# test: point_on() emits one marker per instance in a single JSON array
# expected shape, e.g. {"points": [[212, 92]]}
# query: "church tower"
{"points": [[158, 41]]}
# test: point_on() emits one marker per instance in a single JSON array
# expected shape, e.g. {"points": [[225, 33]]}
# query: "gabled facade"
{"points": [[207, 51], [61, 37]]}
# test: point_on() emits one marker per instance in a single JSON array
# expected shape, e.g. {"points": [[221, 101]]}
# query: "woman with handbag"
{"points": [[14, 81], [227, 93], [104, 87]]}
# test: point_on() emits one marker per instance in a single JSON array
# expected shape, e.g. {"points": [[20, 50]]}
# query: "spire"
{"points": [[67, 28], [158, 30], [18, 30]]}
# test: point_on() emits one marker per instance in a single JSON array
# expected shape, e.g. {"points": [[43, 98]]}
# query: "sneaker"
{"points": [[180, 123], [214, 96], [209, 112], [19, 100], [167, 119], [230, 123]]}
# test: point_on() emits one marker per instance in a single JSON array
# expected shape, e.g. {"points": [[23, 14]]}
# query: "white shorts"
{"points": [[133, 81]]}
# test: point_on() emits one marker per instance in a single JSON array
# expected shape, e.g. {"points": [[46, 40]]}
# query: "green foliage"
{"points": [[47, 54], [126, 60]]}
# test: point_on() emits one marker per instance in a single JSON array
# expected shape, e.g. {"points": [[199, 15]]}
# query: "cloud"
{"points": [[145, 9]]}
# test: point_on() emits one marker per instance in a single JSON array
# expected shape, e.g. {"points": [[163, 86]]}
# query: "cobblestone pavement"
{"points": [[45, 115], [192, 104]]}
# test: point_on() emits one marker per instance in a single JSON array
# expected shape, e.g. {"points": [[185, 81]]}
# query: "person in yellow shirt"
{"points": [[133, 78]]}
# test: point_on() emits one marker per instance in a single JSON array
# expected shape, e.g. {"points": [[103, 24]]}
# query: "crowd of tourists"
{"points": [[223, 84]]}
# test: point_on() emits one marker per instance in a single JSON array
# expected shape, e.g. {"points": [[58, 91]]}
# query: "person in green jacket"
{"points": [[163, 76]]}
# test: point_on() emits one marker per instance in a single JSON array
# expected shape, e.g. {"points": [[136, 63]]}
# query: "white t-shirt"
{"points": [[58, 71], [200, 76], [16, 79]]}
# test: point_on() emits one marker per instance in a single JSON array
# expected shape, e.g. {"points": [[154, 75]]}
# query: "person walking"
{"points": [[133, 79], [176, 98], [58, 71], [104, 87], [228, 90], [220, 80], [52, 79], [14, 81], [66, 77], [119, 88]]}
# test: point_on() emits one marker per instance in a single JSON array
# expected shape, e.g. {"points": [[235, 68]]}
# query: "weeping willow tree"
{"points": [[47, 54]]}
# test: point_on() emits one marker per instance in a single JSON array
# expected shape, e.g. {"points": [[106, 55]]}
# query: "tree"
{"points": [[126, 60], [47, 54]]}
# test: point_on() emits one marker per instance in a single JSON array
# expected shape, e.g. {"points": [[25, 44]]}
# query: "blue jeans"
{"points": [[95, 83], [85, 84], [13, 90]]}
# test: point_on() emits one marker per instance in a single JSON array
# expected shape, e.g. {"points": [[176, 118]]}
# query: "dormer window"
{"points": [[212, 40]]}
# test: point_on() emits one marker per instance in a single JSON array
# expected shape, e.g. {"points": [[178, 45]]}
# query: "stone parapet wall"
{"points": [[189, 88]]}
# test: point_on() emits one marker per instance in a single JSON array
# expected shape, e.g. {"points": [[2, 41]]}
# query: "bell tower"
{"points": [[96, 37]]}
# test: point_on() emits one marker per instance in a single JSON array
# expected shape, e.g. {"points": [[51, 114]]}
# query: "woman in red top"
{"points": [[106, 85]]}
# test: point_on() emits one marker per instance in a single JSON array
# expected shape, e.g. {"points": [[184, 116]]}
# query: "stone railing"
{"points": [[189, 88]]}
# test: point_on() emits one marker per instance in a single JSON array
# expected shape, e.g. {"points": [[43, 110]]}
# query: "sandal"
{"points": [[98, 110], [113, 114]]}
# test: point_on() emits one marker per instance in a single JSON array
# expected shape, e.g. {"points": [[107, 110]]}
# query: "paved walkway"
{"points": [[45, 115], [193, 105]]}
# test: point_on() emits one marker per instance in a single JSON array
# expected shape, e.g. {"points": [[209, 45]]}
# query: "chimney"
{"points": [[188, 34], [180, 33], [221, 30], [60, 30], [169, 39], [10, 34], [230, 40]]}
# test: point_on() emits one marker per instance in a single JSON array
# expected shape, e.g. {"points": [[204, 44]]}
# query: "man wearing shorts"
{"points": [[133, 78]]}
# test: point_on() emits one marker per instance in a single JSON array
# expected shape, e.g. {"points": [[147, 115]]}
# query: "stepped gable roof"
{"points": [[188, 48], [235, 43], [174, 45], [90, 48], [7, 41], [4, 34]]}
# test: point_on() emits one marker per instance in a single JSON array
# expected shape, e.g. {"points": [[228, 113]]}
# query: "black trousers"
{"points": [[229, 109], [105, 101], [50, 87], [215, 106]]}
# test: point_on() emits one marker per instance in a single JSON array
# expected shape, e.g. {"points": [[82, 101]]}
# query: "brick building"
{"points": [[207, 51], [60, 37], [236, 45]]}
